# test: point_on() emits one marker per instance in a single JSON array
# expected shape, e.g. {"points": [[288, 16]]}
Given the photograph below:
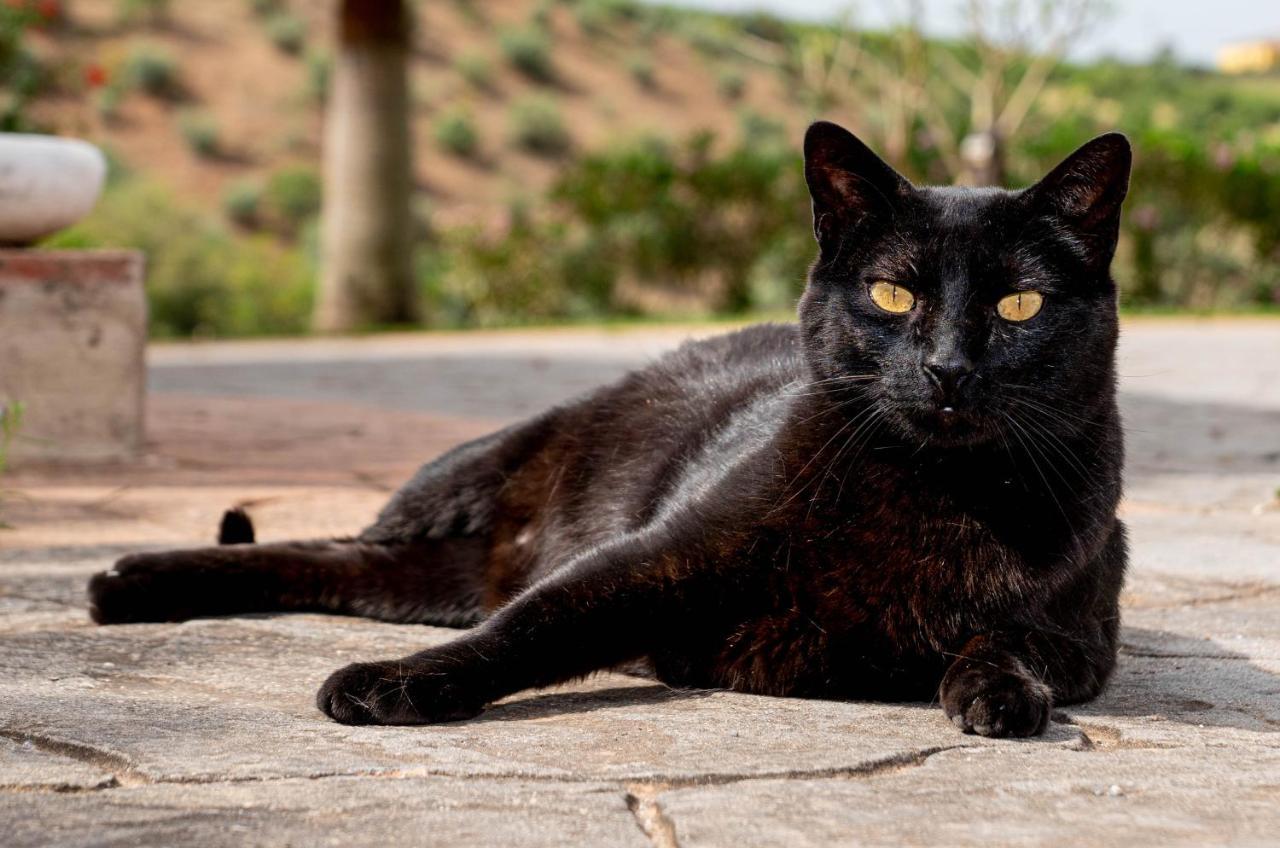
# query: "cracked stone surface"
{"points": [[204, 732]]}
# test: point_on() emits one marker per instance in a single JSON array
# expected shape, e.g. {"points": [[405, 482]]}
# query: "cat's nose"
{"points": [[949, 374]]}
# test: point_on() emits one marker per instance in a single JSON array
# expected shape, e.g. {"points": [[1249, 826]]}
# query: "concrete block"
{"points": [[73, 329]]}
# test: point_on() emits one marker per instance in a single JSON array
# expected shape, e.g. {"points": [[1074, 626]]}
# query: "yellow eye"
{"points": [[1021, 306], [891, 298]]}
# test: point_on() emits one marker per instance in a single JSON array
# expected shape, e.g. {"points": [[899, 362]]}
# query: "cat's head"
{"points": [[957, 309]]}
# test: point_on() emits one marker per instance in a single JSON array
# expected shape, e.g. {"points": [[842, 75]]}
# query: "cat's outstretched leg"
{"points": [[425, 559], [608, 607], [437, 581]]}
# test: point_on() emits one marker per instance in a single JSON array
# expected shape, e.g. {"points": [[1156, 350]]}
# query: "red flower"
{"points": [[49, 10], [95, 75]]}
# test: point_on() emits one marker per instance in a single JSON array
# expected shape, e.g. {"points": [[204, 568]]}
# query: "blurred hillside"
{"points": [[578, 160]]}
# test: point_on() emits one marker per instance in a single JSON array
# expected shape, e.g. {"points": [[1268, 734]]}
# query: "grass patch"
{"points": [[538, 127], [476, 69], [528, 50], [154, 72], [287, 32], [456, 133], [200, 132]]}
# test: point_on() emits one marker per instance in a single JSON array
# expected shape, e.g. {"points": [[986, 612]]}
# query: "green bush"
{"points": [[641, 70], [152, 12], [106, 102], [475, 68], [540, 17], [153, 71], [704, 223], [536, 126], [11, 413], [731, 84], [319, 73], [456, 132], [21, 74], [531, 273], [529, 52], [592, 17], [200, 132], [242, 203], [287, 32], [265, 8], [293, 196], [201, 280]]}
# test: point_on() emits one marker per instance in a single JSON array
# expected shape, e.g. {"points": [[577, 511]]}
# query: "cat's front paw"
{"points": [[397, 692], [990, 699]]}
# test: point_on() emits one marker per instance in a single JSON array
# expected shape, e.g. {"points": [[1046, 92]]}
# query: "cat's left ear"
{"points": [[1085, 193]]}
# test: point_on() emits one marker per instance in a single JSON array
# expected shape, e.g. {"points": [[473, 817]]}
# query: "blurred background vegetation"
{"points": [[581, 160]]}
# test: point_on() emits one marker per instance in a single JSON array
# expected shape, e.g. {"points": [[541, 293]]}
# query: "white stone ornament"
{"points": [[46, 184]]}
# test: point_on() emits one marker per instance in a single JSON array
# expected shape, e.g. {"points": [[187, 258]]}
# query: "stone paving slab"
{"points": [[205, 733]]}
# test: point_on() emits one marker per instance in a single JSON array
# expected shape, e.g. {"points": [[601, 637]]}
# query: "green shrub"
{"points": [[201, 279], [641, 70], [456, 132], [293, 196], [106, 102], [592, 18], [712, 225], [529, 52], [531, 273], [287, 32], [153, 71], [536, 126], [319, 73], [540, 17], [200, 132], [11, 413], [152, 12], [21, 74], [264, 8], [475, 68], [242, 203], [731, 84]]}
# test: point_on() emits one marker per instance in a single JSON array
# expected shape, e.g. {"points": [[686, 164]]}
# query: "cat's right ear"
{"points": [[848, 183]]}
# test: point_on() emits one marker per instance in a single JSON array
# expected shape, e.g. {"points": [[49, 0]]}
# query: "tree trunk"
{"points": [[367, 246], [982, 159]]}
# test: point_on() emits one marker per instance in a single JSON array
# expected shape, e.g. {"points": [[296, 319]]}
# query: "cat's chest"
{"points": [[910, 556]]}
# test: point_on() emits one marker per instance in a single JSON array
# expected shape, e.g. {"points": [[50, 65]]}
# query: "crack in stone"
{"points": [[125, 773], [896, 762], [122, 770], [109, 782], [1155, 653], [31, 599], [653, 821], [1162, 655], [1103, 737], [1245, 592]]}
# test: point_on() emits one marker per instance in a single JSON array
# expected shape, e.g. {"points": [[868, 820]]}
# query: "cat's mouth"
{"points": [[947, 424]]}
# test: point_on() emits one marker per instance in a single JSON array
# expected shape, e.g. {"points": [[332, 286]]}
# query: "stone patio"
{"points": [[204, 733]]}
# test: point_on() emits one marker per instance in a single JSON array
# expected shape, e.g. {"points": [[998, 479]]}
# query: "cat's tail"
{"points": [[236, 528]]}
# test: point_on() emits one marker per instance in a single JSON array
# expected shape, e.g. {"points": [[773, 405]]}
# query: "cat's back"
{"points": [[688, 395], [630, 452]]}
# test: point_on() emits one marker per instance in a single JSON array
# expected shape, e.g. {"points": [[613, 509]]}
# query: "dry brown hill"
{"points": [[259, 100]]}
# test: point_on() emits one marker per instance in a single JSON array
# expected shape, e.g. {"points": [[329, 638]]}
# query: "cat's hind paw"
{"points": [[396, 692], [988, 700], [139, 587]]}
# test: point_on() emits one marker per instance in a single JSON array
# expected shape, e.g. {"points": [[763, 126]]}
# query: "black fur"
{"points": [[804, 510]]}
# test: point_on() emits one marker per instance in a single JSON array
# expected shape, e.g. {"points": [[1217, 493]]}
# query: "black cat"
{"points": [[911, 494]]}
